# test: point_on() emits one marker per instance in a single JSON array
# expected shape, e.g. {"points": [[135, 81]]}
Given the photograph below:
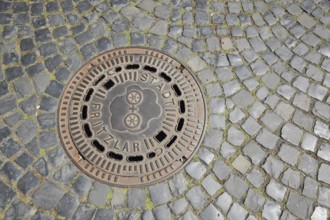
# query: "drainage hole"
{"points": [[160, 136], [135, 158], [151, 155], [98, 80], [87, 130], [180, 124], [115, 156], [173, 139], [108, 84], [150, 68], [182, 107], [88, 95], [118, 69], [166, 77], [177, 90], [98, 145], [183, 159], [132, 66], [84, 110]]}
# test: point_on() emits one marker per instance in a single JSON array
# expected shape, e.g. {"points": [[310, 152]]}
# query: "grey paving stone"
{"points": [[98, 194], [84, 212], [217, 121], [136, 199], [104, 213], [302, 101], [322, 130], [118, 200], [285, 110], [227, 150], [235, 136], [6, 195], [196, 197], [47, 196], [178, 184], [291, 178], [48, 139], [28, 182], [324, 196], [273, 166], [67, 205], [254, 201], [26, 131], [236, 115], [323, 174], [160, 193], [299, 205], [189, 215], [241, 164], [310, 188], [210, 185], [291, 133], [41, 167], [147, 215], [9, 147], [162, 212], [213, 138], [66, 173], [220, 169], [308, 165], [271, 211], [29, 105], [288, 154], [324, 151], [286, 91], [196, 170], [276, 190], [267, 139], [206, 76], [211, 213], [256, 178], [237, 212], [320, 213], [271, 120], [317, 91], [178, 206], [321, 109], [224, 202], [41, 216], [236, 186]]}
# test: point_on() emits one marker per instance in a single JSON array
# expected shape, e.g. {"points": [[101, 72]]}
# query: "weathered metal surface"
{"points": [[132, 117]]}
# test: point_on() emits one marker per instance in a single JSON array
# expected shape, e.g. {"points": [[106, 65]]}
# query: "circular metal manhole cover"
{"points": [[131, 117]]}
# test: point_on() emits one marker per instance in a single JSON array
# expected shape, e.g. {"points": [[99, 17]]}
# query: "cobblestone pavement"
{"points": [[265, 67]]}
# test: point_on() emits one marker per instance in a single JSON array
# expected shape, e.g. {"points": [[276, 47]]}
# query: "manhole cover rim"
{"points": [[186, 162]]}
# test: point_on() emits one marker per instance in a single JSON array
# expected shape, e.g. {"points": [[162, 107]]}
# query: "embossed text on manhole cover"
{"points": [[131, 117]]}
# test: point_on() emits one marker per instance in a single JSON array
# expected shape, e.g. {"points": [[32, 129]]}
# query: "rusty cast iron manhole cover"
{"points": [[131, 117]]}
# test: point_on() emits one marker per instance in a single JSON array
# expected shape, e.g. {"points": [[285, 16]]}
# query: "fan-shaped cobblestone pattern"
{"points": [[263, 64]]}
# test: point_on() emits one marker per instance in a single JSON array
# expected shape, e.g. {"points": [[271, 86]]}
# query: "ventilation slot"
{"points": [[166, 77], [177, 90], [108, 84], [134, 158], [98, 80], [87, 130], [132, 66], [182, 107], [160, 136], [118, 69], [150, 69], [151, 155], [88, 95], [173, 139], [84, 110], [180, 124], [115, 156], [98, 146]]}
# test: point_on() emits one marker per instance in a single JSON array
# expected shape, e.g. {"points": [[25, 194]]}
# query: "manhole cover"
{"points": [[131, 117]]}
